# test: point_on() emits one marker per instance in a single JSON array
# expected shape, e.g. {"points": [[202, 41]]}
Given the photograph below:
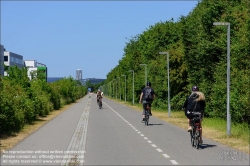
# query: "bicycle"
{"points": [[100, 103], [147, 111], [196, 130]]}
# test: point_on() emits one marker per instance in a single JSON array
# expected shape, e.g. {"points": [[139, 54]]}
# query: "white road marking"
{"points": [[78, 140], [174, 162], [165, 155], [154, 145], [159, 150]]}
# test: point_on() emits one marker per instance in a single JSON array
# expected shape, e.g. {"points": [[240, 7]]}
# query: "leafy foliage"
{"points": [[22, 100], [198, 55]]}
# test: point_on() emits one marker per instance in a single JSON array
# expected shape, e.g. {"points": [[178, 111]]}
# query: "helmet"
{"points": [[99, 89], [195, 88], [148, 83]]}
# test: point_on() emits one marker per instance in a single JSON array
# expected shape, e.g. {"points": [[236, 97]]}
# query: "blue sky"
{"points": [[87, 35]]}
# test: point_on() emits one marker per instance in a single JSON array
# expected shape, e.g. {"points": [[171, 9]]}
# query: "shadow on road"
{"points": [[155, 124], [204, 146]]}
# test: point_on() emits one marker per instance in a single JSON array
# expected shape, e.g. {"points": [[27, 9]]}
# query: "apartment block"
{"points": [[1, 60], [78, 74], [36, 69], [12, 59]]}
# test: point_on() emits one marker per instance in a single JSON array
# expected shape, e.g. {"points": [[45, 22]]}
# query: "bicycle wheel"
{"points": [[197, 139], [100, 105], [147, 117], [192, 138]]}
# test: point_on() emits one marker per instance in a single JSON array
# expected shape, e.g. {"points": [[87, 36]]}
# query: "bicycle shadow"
{"points": [[205, 146], [155, 124]]}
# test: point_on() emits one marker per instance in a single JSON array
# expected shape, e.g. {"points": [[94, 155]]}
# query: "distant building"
{"points": [[1, 60], [12, 59], [78, 74], [36, 68]]}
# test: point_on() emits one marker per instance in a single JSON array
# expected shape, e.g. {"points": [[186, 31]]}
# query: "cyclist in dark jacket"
{"points": [[195, 103], [144, 100]]}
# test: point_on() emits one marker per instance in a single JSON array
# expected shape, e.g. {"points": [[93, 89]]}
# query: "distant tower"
{"points": [[79, 74]]}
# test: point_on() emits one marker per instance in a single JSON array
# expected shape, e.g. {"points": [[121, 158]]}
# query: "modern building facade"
{"points": [[78, 74], [1, 60], [12, 59], [36, 69]]}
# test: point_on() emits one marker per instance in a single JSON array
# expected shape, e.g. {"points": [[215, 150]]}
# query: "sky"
{"points": [[86, 35]]}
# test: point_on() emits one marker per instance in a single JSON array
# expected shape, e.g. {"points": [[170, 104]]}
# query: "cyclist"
{"points": [[195, 103], [99, 95], [147, 95]]}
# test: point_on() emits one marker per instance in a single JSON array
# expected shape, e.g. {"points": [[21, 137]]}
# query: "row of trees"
{"points": [[22, 100], [198, 55]]}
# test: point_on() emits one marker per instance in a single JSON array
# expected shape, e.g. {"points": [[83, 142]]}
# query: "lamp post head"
{"points": [[221, 23], [123, 75], [163, 52], [131, 70], [143, 64]]}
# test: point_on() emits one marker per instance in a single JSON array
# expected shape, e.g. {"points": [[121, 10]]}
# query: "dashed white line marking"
{"points": [[165, 155], [159, 150], [174, 162], [154, 145]]}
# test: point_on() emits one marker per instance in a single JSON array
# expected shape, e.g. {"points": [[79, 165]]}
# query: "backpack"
{"points": [[192, 103], [148, 95]]}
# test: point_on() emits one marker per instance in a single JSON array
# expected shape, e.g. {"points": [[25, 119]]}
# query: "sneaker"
{"points": [[143, 120], [189, 129]]}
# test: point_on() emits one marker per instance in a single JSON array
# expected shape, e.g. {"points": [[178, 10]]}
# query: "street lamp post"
{"points": [[145, 73], [109, 88], [124, 88], [133, 86], [116, 88], [113, 88], [169, 108], [119, 87], [228, 74]]}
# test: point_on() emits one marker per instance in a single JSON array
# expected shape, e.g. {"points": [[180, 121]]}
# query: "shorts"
{"points": [[191, 115], [144, 103]]}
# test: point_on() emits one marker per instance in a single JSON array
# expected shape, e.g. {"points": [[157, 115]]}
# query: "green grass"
{"points": [[237, 130]]}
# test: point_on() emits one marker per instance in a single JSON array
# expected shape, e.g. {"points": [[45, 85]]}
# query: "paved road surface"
{"points": [[114, 135]]}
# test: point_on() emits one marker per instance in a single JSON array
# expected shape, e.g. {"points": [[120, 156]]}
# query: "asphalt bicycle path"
{"points": [[114, 135]]}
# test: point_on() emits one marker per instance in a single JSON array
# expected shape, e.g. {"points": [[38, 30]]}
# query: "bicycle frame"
{"points": [[100, 102], [195, 133], [147, 114]]}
